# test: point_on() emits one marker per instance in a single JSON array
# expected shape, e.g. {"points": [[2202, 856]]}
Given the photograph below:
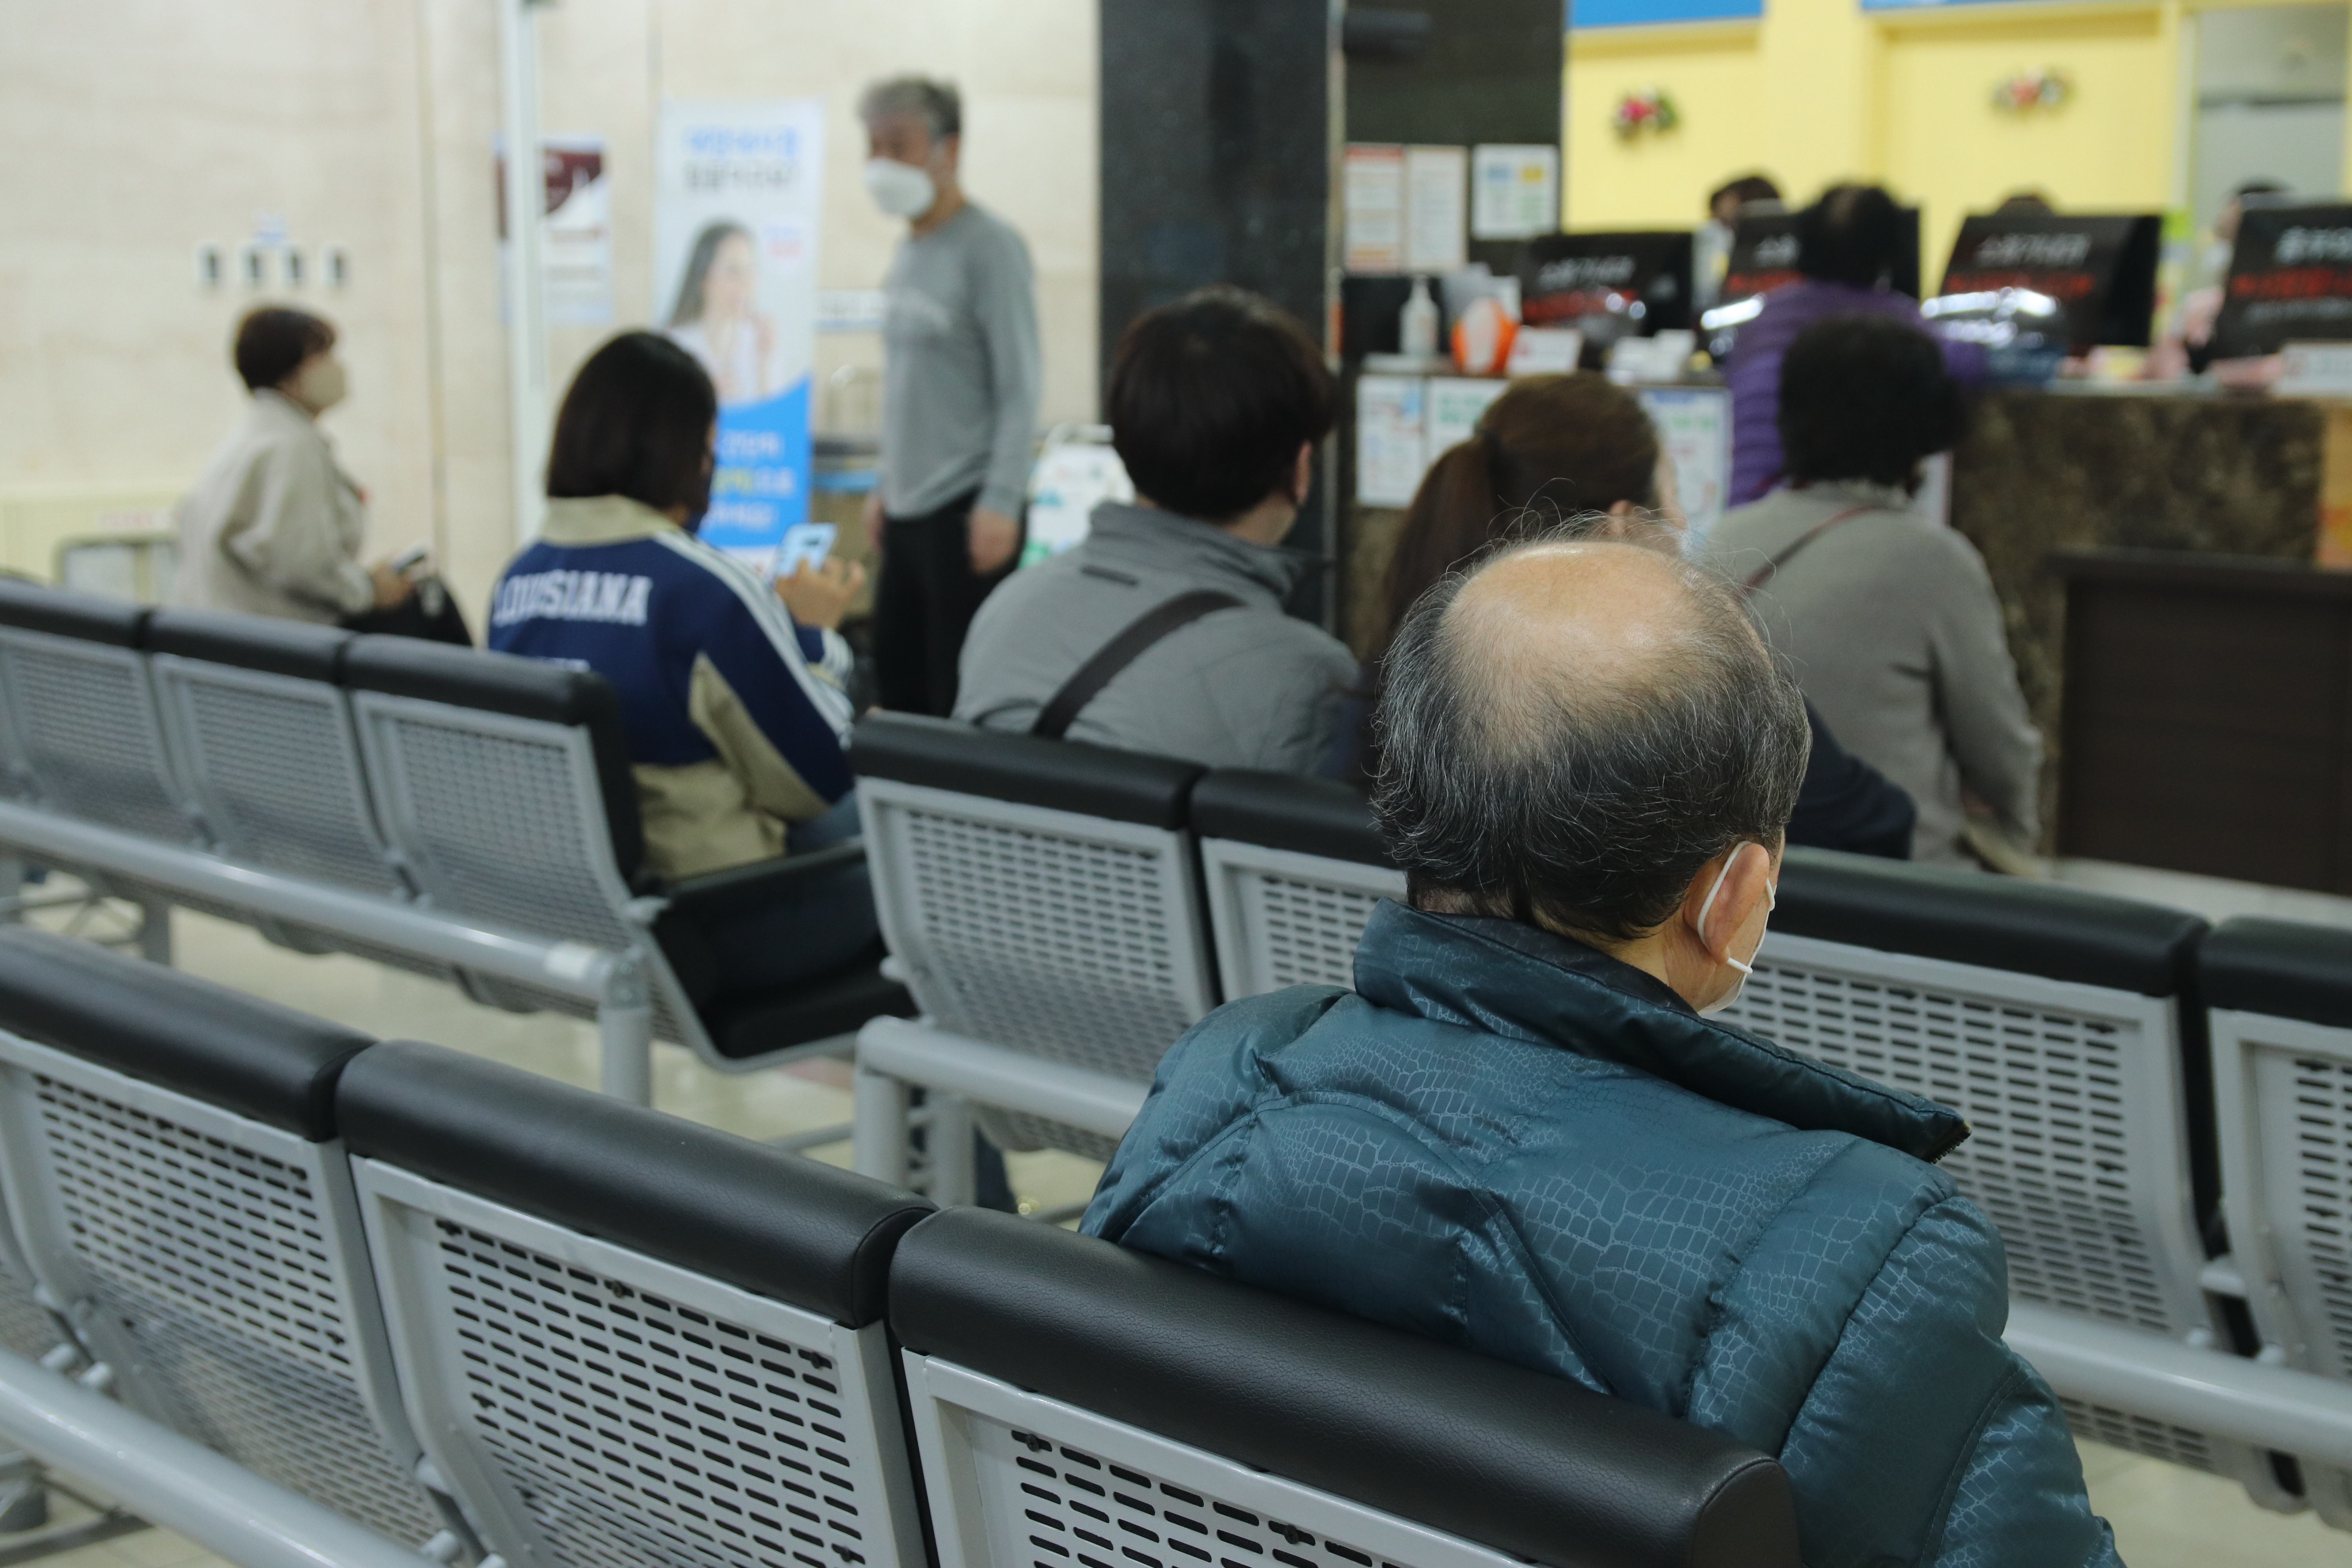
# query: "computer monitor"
{"points": [[2101, 270], [1639, 282], [2290, 277], [1764, 254]]}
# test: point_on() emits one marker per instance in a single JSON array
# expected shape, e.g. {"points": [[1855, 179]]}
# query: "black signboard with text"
{"points": [[2100, 270], [2290, 279], [1764, 255], [1642, 280]]}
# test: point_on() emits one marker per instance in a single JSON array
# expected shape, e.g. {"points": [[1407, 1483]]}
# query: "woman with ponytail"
{"points": [[1575, 455]]}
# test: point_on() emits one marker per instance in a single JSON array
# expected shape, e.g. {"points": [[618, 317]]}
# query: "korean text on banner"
{"points": [[739, 189]]}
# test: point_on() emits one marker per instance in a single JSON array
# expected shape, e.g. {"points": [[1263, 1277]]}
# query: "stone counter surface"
{"points": [[2041, 472]]}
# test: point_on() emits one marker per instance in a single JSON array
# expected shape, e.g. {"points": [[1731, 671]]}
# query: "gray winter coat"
{"points": [[1243, 687]]}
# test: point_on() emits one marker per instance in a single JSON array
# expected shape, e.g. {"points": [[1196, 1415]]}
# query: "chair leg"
{"points": [[156, 932], [950, 1148], [625, 1029], [12, 889], [878, 1127]]}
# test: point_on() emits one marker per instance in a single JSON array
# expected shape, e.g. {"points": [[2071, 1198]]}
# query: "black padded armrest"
{"points": [[251, 642], [524, 689], [2283, 968], [1060, 775], [260, 1060], [754, 1217], [718, 895], [1284, 811], [1528, 1464], [29, 606], [1999, 922]]}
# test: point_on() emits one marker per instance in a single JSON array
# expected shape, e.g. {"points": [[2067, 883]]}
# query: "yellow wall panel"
{"points": [[1947, 147], [1659, 180]]}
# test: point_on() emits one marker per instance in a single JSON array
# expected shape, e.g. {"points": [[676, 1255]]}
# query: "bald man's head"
{"points": [[1574, 728]]}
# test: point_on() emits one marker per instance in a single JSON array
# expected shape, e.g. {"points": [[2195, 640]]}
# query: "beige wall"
{"points": [[131, 131]]}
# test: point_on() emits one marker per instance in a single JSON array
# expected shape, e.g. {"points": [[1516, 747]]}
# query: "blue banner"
{"points": [[761, 486], [1584, 14]]}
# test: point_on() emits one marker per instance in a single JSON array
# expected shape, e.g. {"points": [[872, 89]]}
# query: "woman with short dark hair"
{"points": [[1889, 617], [274, 526], [732, 689], [1577, 454]]}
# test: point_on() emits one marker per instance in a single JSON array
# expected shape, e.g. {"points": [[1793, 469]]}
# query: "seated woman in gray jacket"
{"points": [[1888, 616], [1164, 630], [274, 526]]}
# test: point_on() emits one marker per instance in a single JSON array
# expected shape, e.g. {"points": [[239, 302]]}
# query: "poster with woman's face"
{"points": [[736, 204]]}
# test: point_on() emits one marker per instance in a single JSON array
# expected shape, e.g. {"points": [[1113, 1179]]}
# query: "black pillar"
{"points": [[1216, 159]]}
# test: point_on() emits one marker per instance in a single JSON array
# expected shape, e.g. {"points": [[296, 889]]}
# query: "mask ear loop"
{"points": [[1707, 906]]}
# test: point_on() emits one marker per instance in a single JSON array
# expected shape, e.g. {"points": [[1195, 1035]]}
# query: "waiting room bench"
{"points": [[624, 1340], [470, 816], [1078, 1405]]}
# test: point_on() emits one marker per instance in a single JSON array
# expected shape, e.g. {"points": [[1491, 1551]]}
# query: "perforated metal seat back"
{"points": [[2283, 1093], [1287, 919], [1055, 1486], [221, 1265], [2076, 1147], [500, 820], [85, 726], [1072, 938], [616, 1410], [276, 765]]}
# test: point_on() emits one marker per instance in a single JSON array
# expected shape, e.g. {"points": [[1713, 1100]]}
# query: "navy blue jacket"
{"points": [[1514, 1142]]}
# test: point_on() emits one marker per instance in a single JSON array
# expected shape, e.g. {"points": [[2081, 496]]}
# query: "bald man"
{"points": [[1521, 1131]]}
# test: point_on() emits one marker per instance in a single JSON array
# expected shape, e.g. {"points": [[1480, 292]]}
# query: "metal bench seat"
{"points": [[1294, 866], [2053, 1018], [464, 815], [1080, 1406], [2280, 1000], [179, 1191], [1042, 898], [627, 1339]]}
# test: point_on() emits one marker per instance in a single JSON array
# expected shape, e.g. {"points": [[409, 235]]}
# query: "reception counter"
{"points": [[2106, 469]]}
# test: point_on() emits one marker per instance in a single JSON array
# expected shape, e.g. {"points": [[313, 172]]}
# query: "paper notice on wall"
{"points": [[575, 240], [1436, 207], [1391, 450], [1514, 191], [1373, 188], [1456, 404], [737, 191], [1694, 425]]}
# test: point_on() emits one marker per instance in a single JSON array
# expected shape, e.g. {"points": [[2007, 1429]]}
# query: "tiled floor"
{"points": [[2164, 1517]]}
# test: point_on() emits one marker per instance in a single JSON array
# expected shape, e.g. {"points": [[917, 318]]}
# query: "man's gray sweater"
{"points": [[1242, 688]]}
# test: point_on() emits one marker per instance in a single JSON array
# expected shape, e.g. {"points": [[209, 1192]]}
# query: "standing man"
{"points": [[960, 386]]}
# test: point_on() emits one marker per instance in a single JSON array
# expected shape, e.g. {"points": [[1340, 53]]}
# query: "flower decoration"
{"points": [[1646, 108], [2049, 87]]}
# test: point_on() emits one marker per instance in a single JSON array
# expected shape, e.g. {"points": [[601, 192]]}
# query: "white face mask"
{"points": [[320, 383], [1772, 902], [899, 189]]}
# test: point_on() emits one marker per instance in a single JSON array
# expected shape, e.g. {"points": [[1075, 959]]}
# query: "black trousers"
{"points": [[924, 605]]}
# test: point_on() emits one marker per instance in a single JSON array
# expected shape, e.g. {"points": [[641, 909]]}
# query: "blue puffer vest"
{"points": [[1515, 1142]]}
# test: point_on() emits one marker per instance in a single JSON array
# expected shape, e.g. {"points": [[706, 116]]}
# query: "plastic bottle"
{"points": [[1417, 322]]}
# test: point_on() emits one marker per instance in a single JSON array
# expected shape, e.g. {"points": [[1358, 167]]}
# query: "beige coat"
{"points": [[274, 527]]}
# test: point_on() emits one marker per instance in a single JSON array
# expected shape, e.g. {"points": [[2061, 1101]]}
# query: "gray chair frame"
{"points": [[1056, 1046], [559, 1371], [2079, 1156], [1281, 917], [270, 1222]]}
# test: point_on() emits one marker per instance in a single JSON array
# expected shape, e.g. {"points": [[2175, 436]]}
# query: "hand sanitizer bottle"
{"points": [[1417, 322]]}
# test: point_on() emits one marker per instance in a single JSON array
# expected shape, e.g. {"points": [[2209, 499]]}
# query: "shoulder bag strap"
{"points": [[1053, 720], [1764, 572]]}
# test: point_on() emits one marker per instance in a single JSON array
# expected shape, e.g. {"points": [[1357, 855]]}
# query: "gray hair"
{"points": [[937, 102], [1587, 805]]}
